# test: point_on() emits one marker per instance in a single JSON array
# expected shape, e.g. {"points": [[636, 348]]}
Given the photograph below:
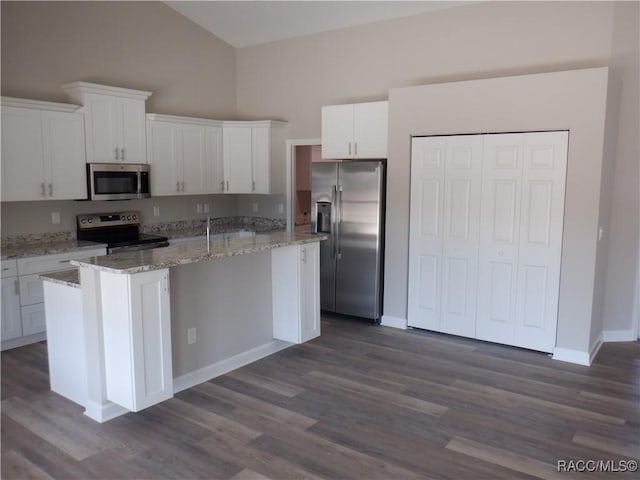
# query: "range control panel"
{"points": [[97, 220]]}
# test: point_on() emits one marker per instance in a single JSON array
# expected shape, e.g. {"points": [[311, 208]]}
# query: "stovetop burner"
{"points": [[120, 231]]}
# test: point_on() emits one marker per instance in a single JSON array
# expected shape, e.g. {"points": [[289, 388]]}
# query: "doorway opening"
{"points": [[302, 153]]}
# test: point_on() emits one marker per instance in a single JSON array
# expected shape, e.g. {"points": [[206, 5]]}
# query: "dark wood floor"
{"points": [[360, 402]]}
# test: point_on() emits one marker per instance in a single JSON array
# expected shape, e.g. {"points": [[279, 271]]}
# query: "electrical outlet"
{"points": [[191, 336], [156, 211], [255, 207], [205, 208], [55, 217], [280, 208], [199, 208]]}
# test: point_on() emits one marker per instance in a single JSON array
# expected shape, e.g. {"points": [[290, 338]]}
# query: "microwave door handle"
{"points": [[139, 183]]}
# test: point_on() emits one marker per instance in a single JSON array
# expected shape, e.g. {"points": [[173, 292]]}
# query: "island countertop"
{"points": [[172, 256]]}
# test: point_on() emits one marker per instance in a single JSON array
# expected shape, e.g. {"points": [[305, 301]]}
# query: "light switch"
{"points": [[198, 208], [156, 211], [255, 207], [280, 208], [55, 217], [205, 208]]}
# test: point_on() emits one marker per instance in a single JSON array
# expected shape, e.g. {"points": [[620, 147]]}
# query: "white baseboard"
{"points": [[577, 356], [103, 412], [395, 322], [214, 370], [618, 336]]}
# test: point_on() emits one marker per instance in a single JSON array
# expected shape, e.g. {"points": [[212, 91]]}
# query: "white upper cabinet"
{"points": [[254, 157], [43, 151], [186, 155], [114, 122], [356, 130]]}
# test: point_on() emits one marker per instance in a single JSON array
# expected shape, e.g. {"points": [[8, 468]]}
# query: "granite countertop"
{"points": [[200, 232], [46, 248], [70, 278], [157, 258]]}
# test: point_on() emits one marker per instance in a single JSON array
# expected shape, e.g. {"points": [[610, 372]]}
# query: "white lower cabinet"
{"points": [[11, 322], [486, 236], [137, 338], [295, 275], [23, 312]]}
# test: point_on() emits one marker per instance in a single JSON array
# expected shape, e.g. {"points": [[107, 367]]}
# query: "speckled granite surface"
{"points": [[157, 258], [194, 228], [70, 278], [47, 248]]}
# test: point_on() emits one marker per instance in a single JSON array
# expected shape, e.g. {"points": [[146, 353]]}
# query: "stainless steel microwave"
{"points": [[117, 181]]}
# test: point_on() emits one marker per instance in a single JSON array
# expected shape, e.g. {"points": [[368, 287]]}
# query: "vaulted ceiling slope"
{"points": [[248, 23]]}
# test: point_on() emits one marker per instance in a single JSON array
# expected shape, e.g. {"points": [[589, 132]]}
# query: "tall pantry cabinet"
{"points": [[485, 239]]}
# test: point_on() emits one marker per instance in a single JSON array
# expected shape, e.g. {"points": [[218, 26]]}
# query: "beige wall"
{"points": [[488, 39], [140, 45]]}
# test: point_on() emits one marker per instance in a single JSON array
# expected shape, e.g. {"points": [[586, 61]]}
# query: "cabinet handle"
{"points": [[117, 154], [304, 255], [355, 148], [64, 261], [227, 185], [349, 148], [177, 186], [16, 287], [42, 190], [222, 185], [51, 189], [122, 153], [182, 184], [253, 186]]}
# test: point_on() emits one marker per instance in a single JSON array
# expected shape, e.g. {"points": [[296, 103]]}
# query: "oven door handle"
{"points": [[136, 247]]}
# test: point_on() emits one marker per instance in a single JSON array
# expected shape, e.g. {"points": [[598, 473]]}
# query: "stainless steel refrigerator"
{"points": [[347, 201]]}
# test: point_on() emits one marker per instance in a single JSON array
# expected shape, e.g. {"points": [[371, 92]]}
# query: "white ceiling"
{"points": [[247, 23]]}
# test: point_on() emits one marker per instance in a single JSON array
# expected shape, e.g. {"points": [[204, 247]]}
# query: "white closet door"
{"points": [[538, 282], [461, 234], [426, 231], [499, 237]]}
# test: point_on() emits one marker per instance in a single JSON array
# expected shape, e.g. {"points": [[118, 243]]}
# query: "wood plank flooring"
{"points": [[360, 402]]}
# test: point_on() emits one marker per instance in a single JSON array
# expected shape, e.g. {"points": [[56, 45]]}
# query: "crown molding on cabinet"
{"points": [[38, 104], [75, 90]]}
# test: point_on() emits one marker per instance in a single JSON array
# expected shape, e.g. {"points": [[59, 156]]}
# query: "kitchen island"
{"points": [[159, 321]]}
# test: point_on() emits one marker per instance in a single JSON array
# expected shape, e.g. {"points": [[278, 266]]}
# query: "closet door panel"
{"points": [[539, 256], [499, 237], [461, 234], [426, 231]]}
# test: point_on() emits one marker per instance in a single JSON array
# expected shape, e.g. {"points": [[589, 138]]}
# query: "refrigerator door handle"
{"points": [[338, 221], [334, 223]]}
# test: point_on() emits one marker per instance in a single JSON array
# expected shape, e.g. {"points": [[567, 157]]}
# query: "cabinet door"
{"points": [[33, 319], [499, 237], [236, 146], [309, 291], [370, 133], [337, 131], [192, 156], [101, 122], [130, 125], [165, 179], [426, 231], [64, 155], [31, 290], [22, 156], [214, 160], [11, 322], [260, 160], [140, 329]]}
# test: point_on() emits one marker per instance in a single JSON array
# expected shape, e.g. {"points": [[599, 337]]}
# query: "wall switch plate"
{"points": [[255, 207], [191, 336], [280, 208], [199, 208], [156, 211], [55, 217], [205, 208]]}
